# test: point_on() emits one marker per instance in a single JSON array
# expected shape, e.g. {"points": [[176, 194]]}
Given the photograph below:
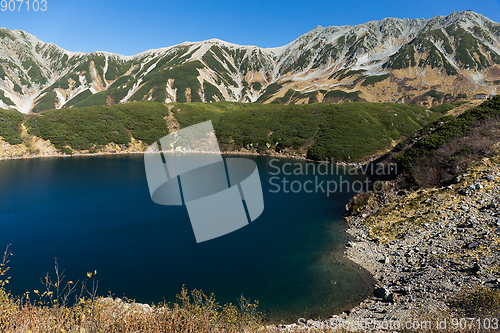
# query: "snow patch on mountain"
{"points": [[105, 70], [171, 92], [132, 91], [199, 52], [31, 66]]}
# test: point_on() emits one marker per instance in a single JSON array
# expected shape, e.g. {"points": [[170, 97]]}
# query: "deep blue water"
{"points": [[95, 213]]}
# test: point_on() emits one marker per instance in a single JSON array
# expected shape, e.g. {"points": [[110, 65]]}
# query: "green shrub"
{"points": [[433, 93], [351, 131], [448, 128], [99, 98], [210, 91], [5, 99], [67, 151], [371, 80], [443, 108], [269, 91], [256, 85], [47, 102], [10, 126], [85, 128], [334, 131], [80, 97]]}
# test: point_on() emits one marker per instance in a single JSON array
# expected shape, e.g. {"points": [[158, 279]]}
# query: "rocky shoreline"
{"points": [[128, 152], [44, 148], [19, 152], [35, 147], [423, 246], [134, 152]]}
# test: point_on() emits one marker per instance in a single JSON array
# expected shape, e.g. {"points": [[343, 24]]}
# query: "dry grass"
{"points": [[74, 307], [67, 306], [464, 107], [42, 312], [479, 301], [402, 215], [48, 311], [358, 202], [102, 315]]}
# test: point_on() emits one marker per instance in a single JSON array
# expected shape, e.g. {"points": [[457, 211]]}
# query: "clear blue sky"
{"points": [[129, 27]]}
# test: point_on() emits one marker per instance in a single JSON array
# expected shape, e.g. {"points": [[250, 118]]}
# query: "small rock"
{"points": [[489, 177], [406, 290], [381, 293], [472, 245], [392, 298], [466, 224], [476, 268]]}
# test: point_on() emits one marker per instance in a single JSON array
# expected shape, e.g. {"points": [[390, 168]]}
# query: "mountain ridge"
{"points": [[392, 60]]}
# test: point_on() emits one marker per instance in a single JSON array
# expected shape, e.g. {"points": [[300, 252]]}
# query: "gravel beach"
{"points": [[423, 246]]}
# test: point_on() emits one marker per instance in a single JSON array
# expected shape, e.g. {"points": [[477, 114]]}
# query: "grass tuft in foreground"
{"points": [[75, 307]]}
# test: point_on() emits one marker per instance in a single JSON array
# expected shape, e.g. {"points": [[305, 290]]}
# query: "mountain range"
{"points": [[427, 62]]}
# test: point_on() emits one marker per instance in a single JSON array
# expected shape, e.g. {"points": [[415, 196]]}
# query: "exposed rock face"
{"points": [[31, 146]]}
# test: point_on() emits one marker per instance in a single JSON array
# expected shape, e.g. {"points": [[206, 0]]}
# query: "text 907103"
{"points": [[23, 5]]}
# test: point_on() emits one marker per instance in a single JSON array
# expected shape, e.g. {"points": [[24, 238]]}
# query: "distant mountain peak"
{"points": [[431, 61]]}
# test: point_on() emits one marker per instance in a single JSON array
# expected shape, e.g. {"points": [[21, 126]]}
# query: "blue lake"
{"points": [[95, 213]]}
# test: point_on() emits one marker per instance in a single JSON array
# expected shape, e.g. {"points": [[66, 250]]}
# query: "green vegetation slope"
{"points": [[93, 127], [348, 131]]}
